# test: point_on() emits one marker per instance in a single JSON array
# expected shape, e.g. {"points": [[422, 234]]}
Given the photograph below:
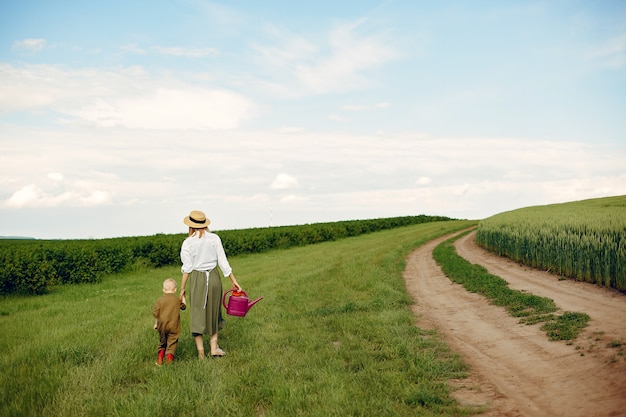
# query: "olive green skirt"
{"points": [[205, 302]]}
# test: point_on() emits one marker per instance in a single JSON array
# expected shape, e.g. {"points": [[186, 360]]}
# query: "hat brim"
{"points": [[196, 225]]}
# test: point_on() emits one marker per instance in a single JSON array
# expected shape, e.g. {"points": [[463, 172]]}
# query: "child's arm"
{"points": [[155, 313]]}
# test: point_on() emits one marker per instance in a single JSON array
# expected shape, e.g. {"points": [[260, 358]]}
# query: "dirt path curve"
{"points": [[515, 369]]}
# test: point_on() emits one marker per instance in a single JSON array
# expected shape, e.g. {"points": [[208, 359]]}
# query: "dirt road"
{"points": [[515, 369]]}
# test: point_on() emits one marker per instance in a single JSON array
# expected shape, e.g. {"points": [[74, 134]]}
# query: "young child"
{"points": [[167, 314]]}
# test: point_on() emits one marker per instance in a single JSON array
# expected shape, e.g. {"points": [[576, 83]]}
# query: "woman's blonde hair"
{"points": [[193, 230]]}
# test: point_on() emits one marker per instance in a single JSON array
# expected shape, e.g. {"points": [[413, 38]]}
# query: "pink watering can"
{"points": [[238, 303]]}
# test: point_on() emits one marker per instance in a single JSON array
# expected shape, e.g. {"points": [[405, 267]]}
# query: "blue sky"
{"points": [[118, 118]]}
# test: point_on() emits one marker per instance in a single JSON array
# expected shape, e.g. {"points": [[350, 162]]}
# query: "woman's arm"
{"points": [[183, 283]]}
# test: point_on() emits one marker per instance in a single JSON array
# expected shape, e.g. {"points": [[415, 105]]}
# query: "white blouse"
{"points": [[204, 254]]}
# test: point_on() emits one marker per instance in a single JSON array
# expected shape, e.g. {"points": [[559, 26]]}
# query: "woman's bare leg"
{"points": [[200, 346], [215, 349]]}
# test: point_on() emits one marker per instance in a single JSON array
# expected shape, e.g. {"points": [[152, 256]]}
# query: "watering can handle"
{"points": [[231, 290]]}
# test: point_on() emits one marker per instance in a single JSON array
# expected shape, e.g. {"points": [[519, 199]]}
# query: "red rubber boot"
{"points": [[159, 360]]}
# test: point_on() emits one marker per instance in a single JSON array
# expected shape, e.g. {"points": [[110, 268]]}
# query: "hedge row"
{"points": [[33, 266]]}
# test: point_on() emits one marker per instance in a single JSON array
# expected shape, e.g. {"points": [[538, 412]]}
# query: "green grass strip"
{"points": [[529, 307]]}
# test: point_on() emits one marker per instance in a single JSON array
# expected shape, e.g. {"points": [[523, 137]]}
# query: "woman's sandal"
{"points": [[218, 353]]}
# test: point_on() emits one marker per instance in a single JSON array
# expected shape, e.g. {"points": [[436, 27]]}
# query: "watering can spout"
{"points": [[251, 303]]}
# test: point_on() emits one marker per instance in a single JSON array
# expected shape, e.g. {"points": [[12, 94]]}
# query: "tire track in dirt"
{"points": [[515, 369]]}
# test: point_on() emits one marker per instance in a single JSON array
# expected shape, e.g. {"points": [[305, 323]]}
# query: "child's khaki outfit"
{"points": [[167, 314]]}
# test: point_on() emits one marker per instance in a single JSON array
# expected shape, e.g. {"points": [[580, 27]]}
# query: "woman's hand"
{"points": [[235, 283], [182, 295]]}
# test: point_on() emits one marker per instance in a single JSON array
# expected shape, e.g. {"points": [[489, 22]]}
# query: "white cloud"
{"points": [[361, 107], [294, 199], [29, 194], [612, 53], [284, 181], [55, 176], [133, 48], [30, 45], [33, 196], [186, 52], [27, 87], [347, 176], [337, 118], [291, 129], [128, 97], [177, 51], [243, 199], [171, 109], [350, 54], [95, 198], [339, 63]]}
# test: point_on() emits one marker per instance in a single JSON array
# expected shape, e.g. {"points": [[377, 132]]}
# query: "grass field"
{"points": [[333, 337]]}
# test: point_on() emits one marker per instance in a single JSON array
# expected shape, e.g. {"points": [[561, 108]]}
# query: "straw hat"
{"points": [[197, 220]]}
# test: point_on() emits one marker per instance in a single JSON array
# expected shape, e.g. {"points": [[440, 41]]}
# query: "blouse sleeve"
{"points": [[185, 258], [222, 261]]}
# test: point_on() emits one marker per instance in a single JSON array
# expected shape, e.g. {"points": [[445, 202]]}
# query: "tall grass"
{"points": [[332, 337], [585, 240]]}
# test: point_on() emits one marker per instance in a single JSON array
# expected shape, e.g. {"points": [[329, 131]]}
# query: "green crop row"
{"points": [[585, 240], [33, 266]]}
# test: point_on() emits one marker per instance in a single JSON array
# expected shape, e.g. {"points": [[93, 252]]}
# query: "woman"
{"points": [[201, 253]]}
